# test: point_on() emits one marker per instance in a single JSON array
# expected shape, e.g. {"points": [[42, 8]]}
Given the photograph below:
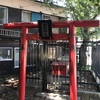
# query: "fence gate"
{"points": [[43, 44], [48, 65]]}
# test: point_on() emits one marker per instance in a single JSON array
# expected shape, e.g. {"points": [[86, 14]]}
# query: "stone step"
{"points": [[52, 96]]}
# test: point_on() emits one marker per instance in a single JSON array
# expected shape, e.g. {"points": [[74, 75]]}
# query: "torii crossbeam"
{"points": [[72, 49]]}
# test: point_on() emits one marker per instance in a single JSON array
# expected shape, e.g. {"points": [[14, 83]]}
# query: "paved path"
{"points": [[52, 96]]}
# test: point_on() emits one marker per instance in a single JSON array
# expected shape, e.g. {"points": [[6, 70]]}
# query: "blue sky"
{"points": [[60, 2]]}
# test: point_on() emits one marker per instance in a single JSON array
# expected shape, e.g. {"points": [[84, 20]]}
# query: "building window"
{"points": [[6, 53], [16, 57], [3, 15], [45, 17], [65, 29], [26, 16]]}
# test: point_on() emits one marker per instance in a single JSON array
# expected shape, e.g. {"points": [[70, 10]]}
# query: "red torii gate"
{"points": [[72, 49]]}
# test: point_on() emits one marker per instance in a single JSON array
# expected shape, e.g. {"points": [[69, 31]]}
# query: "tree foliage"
{"points": [[83, 10], [80, 10]]}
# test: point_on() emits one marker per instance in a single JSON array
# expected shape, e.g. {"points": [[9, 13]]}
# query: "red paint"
{"points": [[60, 68], [23, 62], [58, 24], [60, 36], [72, 63]]}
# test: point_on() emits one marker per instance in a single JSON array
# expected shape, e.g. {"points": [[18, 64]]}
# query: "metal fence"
{"points": [[96, 58], [88, 72], [48, 67], [48, 64]]}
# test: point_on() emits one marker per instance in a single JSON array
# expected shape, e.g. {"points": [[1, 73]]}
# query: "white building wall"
{"points": [[33, 6]]}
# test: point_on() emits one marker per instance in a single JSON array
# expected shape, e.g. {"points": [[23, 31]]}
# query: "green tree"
{"points": [[84, 10], [81, 10]]}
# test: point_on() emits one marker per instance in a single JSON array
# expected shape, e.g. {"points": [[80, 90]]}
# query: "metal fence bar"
{"points": [[86, 81], [56, 82]]}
